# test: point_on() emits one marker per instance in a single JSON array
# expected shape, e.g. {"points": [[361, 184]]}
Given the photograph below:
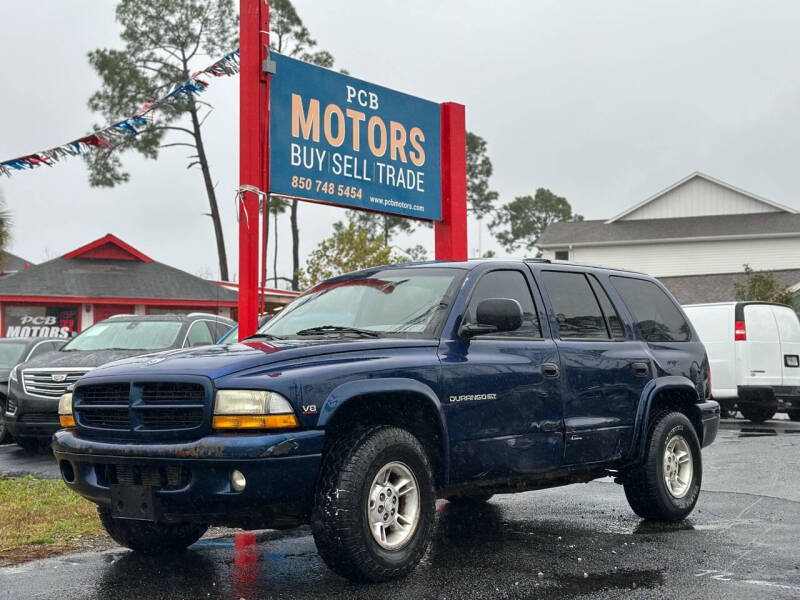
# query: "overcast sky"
{"points": [[603, 102]]}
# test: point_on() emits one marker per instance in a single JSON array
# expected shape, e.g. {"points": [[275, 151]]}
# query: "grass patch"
{"points": [[42, 516]]}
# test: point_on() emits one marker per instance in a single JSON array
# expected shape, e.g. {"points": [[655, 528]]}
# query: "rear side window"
{"points": [[613, 321], [576, 309], [656, 316]]}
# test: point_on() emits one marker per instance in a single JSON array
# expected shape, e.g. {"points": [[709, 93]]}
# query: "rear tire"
{"points": [[150, 538], [757, 413], [665, 487], [355, 497], [794, 414]]}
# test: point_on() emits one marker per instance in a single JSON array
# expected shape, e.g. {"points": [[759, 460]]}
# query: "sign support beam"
{"points": [[253, 152], [451, 231]]}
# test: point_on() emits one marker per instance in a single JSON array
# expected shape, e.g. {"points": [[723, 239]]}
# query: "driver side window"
{"points": [[199, 335], [507, 284]]}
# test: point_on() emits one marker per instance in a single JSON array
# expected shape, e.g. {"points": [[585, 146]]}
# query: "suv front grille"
{"points": [[49, 383], [109, 418], [140, 407], [110, 393], [172, 393], [11, 405]]}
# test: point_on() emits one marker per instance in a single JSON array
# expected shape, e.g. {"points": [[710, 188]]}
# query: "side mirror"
{"points": [[494, 315]]}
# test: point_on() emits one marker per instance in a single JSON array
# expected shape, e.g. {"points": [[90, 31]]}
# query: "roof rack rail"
{"points": [[203, 314], [123, 315], [537, 260]]}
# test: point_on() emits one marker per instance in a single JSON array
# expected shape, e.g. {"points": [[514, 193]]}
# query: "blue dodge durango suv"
{"points": [[377, 392]]}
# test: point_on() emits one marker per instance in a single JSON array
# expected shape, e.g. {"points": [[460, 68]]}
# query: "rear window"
{"points": [[655, 314], [788, 325]]}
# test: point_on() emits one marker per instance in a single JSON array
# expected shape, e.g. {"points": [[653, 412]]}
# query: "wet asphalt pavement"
{"points": [[576, 541], [14, 462]]}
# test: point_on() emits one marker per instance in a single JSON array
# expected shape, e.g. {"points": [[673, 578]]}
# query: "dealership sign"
{"points": [[341, 140]]}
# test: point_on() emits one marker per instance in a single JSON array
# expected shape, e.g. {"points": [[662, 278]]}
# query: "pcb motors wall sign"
{"points": [[344, 141]]}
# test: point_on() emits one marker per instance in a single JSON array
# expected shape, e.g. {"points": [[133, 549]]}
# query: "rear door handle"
{"points": [[550, 370], [640, 369]]}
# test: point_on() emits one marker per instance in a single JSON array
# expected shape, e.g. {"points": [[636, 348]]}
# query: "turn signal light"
{"points": [[254, 421], [67, 420], [739, 332]]}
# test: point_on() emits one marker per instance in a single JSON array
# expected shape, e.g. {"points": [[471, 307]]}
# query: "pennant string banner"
{"points": [[117, 133]]}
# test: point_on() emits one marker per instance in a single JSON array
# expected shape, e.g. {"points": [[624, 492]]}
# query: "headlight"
{"points": [[65, 411], [13, 376], [252, 409]]}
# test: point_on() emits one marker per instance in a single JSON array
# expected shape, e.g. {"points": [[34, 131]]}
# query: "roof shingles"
{"points": [[600, 232], [106, 278]]}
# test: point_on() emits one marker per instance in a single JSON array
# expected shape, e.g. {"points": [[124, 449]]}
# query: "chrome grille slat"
{"points": [[40, 382]]}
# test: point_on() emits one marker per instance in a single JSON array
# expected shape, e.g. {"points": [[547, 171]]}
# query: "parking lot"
{"points": [[580, 540]]}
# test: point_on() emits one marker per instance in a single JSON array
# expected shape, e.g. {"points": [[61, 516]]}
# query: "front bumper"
{"points": [[709, 417], [191, 480], [28, 416]]}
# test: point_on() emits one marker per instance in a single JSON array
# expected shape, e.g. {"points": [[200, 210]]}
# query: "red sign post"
{"points": [[253, 152], [451, 231]]}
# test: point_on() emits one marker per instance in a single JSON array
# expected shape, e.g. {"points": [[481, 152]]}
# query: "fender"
{"points": [[642, 423], [345, 392]]}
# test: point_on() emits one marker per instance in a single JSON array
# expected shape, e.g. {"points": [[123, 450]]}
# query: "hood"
{"points": [[218, 361], [78, 358]]}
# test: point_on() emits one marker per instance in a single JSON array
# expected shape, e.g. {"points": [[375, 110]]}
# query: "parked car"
{"points": [[31, 413], [374, 393], [232, 335], [754, 351], [12, 352]]}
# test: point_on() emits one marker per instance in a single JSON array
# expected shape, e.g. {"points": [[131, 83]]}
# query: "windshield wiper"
{"points": [[263, 336], [337, 329]]}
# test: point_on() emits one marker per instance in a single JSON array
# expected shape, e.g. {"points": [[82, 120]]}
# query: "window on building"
{"points": [[40, 321], [656, 315], [562, 254], [577, 312], [507, 284]]}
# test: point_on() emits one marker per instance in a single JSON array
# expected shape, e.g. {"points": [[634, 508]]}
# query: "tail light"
{"points": [[739, 331]]}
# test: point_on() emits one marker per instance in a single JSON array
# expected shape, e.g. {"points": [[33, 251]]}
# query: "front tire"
{"points": [[5, 437], [757, 413], [150, 538], [665, 487], [374, 506]]}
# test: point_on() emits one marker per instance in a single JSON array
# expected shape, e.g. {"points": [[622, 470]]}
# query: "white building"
{"points": [[696, 236]]}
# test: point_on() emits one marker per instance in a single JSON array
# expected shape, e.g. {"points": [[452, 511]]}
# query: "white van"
{"points": [[754, 352]]}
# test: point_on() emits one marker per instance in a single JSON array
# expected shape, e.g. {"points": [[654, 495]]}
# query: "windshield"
{"points": [[392, 302], [10, 354], [127, 335]]}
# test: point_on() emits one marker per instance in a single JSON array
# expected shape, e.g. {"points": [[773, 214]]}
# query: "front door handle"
{"points": [[550, 370], [641, 369]]}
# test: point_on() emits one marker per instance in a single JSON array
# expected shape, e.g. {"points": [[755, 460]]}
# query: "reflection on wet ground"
{"points": [[561, 543], [576, 541], [768, 428]]}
